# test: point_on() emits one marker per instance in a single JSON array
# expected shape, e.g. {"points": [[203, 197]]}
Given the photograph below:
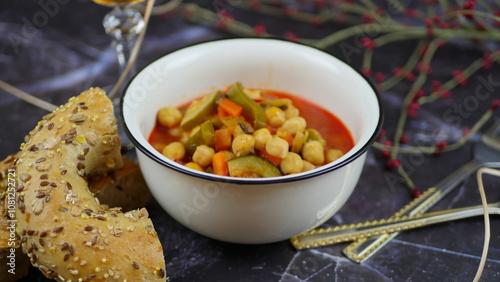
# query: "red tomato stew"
{"points": [[243, 132]]}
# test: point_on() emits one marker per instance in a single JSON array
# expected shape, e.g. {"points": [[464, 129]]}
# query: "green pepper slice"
{"points": [[252, 166], [200, 111], [281, 103], [250, 107], [204, 136], [315, 135]]}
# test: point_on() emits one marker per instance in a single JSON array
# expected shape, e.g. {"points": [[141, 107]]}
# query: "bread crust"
{"points": [[64, 230], [124, 187]]}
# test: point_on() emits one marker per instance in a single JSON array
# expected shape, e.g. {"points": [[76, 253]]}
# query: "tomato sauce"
{"points": [[331, 128], [334, 131]]}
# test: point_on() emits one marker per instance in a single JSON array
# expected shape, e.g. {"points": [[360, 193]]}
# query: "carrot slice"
{"points": [[274, 160], [285, 135], [221, 112], [222, 139], [219, 164], [231, 107]]}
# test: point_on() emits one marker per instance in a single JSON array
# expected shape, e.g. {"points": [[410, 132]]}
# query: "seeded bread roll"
{"points": [[124, 187], [63, 228]]}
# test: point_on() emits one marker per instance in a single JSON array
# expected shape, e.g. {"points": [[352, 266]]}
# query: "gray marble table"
{"points": [[57, 55]]}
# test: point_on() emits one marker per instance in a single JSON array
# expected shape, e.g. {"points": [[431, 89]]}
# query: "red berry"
{"points": [[436, 84], [393, 163], [465, 131], [379, 77], [404, 139], [386, 154], [445, 94], [316, 21], [439, 147], [398, 71], [410, 77], [368, 43], [366, 71], [289, 35], [459, 76], [487, 61], [415, 193], [255, 5], [259, 30], [495, 105]]}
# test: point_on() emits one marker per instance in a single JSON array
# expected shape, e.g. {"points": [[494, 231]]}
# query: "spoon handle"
{"points": [[344, 233], [364, 248]]}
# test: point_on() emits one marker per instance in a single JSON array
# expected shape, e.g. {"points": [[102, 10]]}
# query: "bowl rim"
{"points": [[254, 181]]}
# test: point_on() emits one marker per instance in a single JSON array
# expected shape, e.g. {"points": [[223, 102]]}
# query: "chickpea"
{"points": [[243, 145], [277, 147], [313, 152], [307, 166], [294, 125], [238, 131], [195, 166], [275, 116], [291, 111], [176, 131], [292, 163], [174, 151], [261, 136], [184, 137], [333, 154], [203, 155], [169, 116]]}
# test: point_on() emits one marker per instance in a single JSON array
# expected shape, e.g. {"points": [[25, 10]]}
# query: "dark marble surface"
{"points": [[62, 53]]}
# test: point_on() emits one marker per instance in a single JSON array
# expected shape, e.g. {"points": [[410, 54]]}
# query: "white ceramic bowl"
{"points": [[251, 210]]}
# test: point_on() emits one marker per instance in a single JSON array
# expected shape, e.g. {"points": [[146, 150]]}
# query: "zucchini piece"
{"points": [[199, 111], [252, 167], [204, 136], [250, 107]]}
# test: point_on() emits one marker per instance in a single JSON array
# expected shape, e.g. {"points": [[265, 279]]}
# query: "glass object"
{"points": [[124, 24]]}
